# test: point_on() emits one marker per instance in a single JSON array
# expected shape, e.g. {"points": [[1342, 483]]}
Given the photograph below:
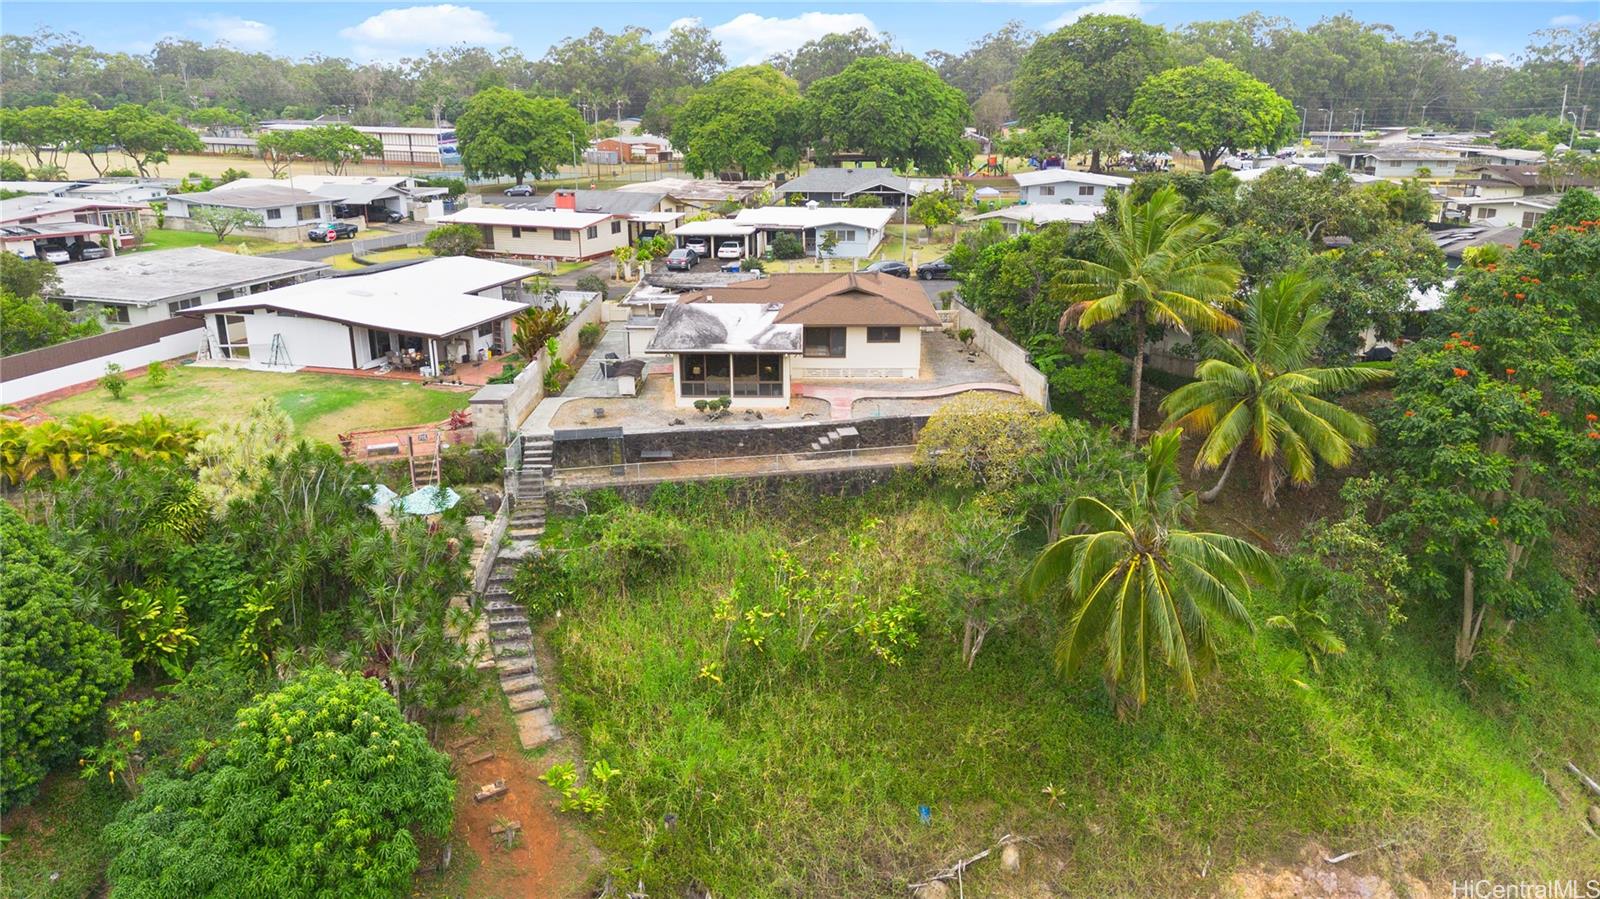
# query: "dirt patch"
{"points": [[1312, 876], [550, 856]]}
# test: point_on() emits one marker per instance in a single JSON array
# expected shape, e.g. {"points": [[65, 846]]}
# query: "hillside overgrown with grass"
{"points": [[759, 769]]}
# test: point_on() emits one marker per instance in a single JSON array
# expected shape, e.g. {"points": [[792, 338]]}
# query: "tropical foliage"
{"points": [[59, 450]]}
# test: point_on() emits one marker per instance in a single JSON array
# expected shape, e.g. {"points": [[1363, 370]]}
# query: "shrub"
{"points": [[459, 239], [983, 440], [479, 464], [1095, 387], [11, 170], [119, 173], [634, 544], [589, 335], [787, 246], [593, 284], [156, 373], [56, 670], [315, 791], [114, 381]]}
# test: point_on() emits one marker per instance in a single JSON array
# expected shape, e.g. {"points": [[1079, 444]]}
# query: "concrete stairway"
{"points": [[837, 439]]}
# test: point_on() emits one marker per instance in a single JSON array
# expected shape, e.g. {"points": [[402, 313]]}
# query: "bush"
{"points": [[56, 671], [10, 170], [114, 381], [589, 335], [593, 284], [635, 544], [787, 246], [315, 791], [119, 173], [1094, 387], [479, 464], [979, 439], [156, 373], [459, 239]]}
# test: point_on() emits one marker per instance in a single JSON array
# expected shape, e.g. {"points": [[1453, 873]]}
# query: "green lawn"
{"points": [[347, 262], [58, 836], [168, 238], [321, 406], [801, 773]]}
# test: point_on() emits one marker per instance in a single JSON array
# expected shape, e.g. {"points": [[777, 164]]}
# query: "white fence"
{"points": [[365, 245], [1014, 359], [503, 407], [168, 347]]}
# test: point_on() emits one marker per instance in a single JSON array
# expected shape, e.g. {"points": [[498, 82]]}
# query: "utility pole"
{"points": [[1327, 135], [1563, 114], [1303, 115]]}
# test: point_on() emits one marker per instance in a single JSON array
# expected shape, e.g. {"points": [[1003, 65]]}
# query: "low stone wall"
{"points": [[852, 481], [1014, 359], [587, 447]]}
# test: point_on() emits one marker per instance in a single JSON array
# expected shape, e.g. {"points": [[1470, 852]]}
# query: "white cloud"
{"points": [[674, 25], [1498, 59], [749, 38], [245, 34], [1135, 8], [417, 27], [1564, 21]]}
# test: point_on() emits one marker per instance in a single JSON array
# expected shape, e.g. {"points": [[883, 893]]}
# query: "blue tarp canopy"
{"points": [[428, 501]]}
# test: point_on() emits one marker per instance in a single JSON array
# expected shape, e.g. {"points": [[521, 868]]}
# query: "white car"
{"points": [[56, 255], [730, 249], [698, 244]]}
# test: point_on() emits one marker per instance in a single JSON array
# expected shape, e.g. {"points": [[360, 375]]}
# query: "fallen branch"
{"points": [[957, 869], [1349, 855], [1586, 779]]}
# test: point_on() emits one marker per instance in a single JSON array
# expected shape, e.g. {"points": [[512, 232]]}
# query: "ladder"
{"points": [[426, 471], [278, 354]]}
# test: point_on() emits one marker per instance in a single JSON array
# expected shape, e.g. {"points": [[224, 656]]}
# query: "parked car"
{"points": [[937, 270], [890, 267], [730, 249], [519, 190], [330, 231], [93, 251], [381, 214], [682, 259], [57, 255], [699, 245]]}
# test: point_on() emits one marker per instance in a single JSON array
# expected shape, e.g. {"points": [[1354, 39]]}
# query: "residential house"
{"points": [[426, 316], [1523, 212], [361, 196], [1026, 217], [411, 146], [564, 234], [1498, 181], [32, 225], [1401, 162], [285, 211], [1453, 242], [750, 340], [1067, 186], [634, 148], [131, 191], [40, 188], [840, 186], [140, 288], [645, 216], [857, 232], [694, 195]]}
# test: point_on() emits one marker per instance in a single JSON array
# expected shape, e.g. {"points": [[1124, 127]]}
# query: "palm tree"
{"points": [[1135, 582], [1159, 265], [1266, 393]]}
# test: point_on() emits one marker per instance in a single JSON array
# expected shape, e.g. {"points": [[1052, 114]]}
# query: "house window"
{"points": [[1086, 190], [758, 375], [309, 213], [486, 329], [1529, 219], [824, 342], [563, 234], [274, 214], [1486, 212], [592, 231], [845, 236], [616, 227], [178, 306], [117, 314], [516, 231], [378, 343], [1047, 190], [883, 335], [705, 374]]}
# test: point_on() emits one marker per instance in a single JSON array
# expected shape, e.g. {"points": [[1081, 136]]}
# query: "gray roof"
{"points": [[265, 197], [607, 201], [724, 328], [143, 279], [1453, 240], [845, 181]]}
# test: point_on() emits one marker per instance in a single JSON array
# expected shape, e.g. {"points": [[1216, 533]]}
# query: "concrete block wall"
{"points": [[1014, 359], [586, 447]]}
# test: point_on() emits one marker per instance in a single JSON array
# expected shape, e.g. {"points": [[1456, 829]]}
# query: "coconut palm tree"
{"points": [[1159, 264], [1267, 393], [1135, 582]]}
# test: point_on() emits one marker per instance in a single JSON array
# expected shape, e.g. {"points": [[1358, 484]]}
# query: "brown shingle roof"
{"points": [[832, 300], [1524, 176]]}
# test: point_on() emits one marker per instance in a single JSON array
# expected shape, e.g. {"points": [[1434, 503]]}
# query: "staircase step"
{"points": [[512, 648], [527, 681], [528, 700], [518, 632], [500, 606], [507, 620], [513, 667], [537, 727]]}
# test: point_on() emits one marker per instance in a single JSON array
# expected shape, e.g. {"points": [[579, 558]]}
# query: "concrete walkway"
{"points": [[842, 400]]}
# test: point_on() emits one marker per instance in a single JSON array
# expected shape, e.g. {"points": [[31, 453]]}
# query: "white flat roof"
{"points": [[411, 300], [714, 228], [663, 218], [1044, 213], [143, 279], [806, 217], [506, 217], [1056, 176]]}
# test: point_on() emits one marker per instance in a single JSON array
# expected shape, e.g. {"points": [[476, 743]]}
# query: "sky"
{"points": [[749, 30]]}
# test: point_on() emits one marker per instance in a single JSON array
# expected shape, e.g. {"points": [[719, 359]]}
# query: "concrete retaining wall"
{"points": [[501, 408], [28, 375], [587, 447], [1012, 358], [835, 482]]}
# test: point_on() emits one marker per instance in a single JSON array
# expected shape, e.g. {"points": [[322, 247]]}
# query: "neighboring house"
{"points": [[857, 232], [1488, 155], [285, 211], [1067, 186], [1454, 241], [749, 340], [40, 188], [837, 187], [412, 146], [360, 196], [135, 191], [140, 288], [692, 195], [33, 225], [635, 147], [1016, 219], [564, 234], [623, 201], [1498, 181], [1522, 212], [1401, 162], [445, 310]]}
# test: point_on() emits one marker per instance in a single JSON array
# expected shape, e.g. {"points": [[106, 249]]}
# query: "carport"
{"points": [[715, 231], [642, 223]]}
